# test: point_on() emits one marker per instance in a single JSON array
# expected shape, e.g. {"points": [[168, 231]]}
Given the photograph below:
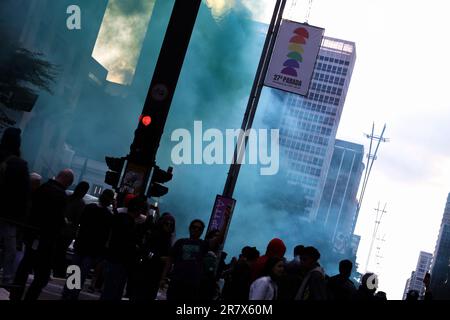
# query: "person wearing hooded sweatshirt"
{"points": [[313, 287], [275, 248], [15, 197], [265, 287]]}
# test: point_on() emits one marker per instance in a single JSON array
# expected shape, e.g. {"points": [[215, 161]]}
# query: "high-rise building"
{"points": [[44, 30], [440, 269], [407, 285], [415, 282], [309, 124], [337, 208]]}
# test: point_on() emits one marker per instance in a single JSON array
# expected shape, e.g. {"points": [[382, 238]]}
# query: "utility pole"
{"points": [[371, 157], [253, 100], [378, 254], [224, 204], [378, 218]]}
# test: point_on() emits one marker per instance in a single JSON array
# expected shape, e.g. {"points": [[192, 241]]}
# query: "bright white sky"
{"points": [[400, 78]]}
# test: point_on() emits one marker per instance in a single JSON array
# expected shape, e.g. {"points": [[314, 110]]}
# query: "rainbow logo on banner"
{"points": [[295, 52]]}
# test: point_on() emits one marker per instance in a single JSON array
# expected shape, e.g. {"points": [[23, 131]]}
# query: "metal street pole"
{"points": [[253, 100]]}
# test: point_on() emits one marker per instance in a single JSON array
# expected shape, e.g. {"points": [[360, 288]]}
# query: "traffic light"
{"points": [[146, 140], [115, 166], [159, 177]]}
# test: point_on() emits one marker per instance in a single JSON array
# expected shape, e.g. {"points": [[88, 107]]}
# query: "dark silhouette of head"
{"points": [[166, 223], [80, 190], [250, 254], [298, 250], [137, 206], [65, 178], [196, 228], [368, 283], [212, 234], [11, 140], [106, 198], [274, 267], [345, 268], [309, 258], [381, 295], [412, 295]]}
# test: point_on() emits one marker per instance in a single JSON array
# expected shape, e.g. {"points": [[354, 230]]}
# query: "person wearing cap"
{"points": [[15, 198]]}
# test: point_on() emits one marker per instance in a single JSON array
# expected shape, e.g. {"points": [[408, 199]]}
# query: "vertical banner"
{"points": [[220, 218], [294, 56]]}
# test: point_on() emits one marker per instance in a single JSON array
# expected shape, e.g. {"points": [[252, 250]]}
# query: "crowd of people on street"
{"points": [[131, 251]]}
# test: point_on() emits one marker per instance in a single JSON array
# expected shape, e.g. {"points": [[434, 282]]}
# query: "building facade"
{"points": [[44, 30], [415, 282], [309, 124], [440, 269], [337, 209]]}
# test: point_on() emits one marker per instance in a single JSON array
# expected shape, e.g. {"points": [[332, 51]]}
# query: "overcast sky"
{"points": [[400, 78]]}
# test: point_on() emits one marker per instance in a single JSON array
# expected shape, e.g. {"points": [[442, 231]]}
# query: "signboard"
{"points": [[134, 178], [294, 56], [220, 220]]}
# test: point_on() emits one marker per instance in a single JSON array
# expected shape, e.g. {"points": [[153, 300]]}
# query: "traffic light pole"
{"points": [[147, 136]]}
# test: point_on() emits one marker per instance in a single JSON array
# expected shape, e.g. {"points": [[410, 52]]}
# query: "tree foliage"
{"points": [[22, 74]]}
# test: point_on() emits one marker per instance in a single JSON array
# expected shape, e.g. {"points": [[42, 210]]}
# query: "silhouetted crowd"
{"points": [[131, 251]]}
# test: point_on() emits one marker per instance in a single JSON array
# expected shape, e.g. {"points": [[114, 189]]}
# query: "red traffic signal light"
{"points": [[145, 120]]}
